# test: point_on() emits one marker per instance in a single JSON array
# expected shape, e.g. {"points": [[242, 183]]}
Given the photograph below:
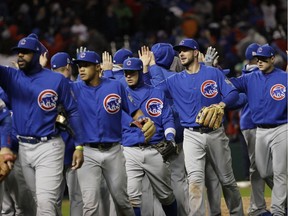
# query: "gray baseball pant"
{"points": [[271, 160], [197, 146], [111, 164], [257, 198], [42, 166], [17, 198]]}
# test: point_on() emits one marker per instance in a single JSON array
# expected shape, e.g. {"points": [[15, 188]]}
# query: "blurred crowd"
{"points": [[102, 25]]}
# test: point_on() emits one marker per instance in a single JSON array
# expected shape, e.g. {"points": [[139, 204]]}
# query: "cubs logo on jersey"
{"points": [[277, 92], [209, 89], [112, 103], [47, 100], [154, 107]]}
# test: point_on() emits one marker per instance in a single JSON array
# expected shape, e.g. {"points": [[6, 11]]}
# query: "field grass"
{"points": [[245, 193]]}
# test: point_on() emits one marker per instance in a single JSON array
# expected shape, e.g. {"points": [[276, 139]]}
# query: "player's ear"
{"points": [[98, 68]]}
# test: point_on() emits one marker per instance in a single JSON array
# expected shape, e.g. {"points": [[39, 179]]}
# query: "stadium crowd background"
{"points": [[107, 25]]}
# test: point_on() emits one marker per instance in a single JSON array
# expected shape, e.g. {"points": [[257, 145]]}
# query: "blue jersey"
{"points": [[116, 73], [153, 104], [100, 108], [156, 82], [34, 99], [190, 92], [267, 95], [245, 114]]}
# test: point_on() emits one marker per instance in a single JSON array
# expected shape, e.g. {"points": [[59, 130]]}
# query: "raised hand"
{"points": [[80, 50], [211, 56], [107, 63]]}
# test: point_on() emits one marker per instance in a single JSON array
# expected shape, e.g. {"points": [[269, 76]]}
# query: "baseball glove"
{"points": [[211, 116], [167, 148], [4, 167], [62, 120], [147, 127]]}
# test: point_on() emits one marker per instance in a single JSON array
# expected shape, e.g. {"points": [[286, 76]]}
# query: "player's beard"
{"points": [[24, 65], [188, 63]]}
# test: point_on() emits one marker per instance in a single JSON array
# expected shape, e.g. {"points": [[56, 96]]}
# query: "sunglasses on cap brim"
{"points": [[23, 51], [130, 71], [84, 64], [262, 58]]}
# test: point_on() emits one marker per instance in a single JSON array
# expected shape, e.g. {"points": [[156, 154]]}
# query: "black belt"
{"points": [[143, 145], [267, 126], [102, 146], [33, 140], [200, 129]]}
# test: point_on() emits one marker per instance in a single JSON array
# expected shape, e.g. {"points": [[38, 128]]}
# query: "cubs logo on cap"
{"points": [[88, 56], [29, 43], [132, 64], [265, 51], [121, 55], [187, 43], [60, 59]]}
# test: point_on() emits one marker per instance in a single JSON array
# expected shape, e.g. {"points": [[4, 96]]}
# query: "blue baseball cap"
{"points": [[187, 43], [265, 51], [132, 64], [60, 59], [251, 51], [88, 56], [164, 54], [121, 55], [30, 42]]}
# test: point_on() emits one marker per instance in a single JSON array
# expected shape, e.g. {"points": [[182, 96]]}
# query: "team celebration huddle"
{"points": [[139, 133]]}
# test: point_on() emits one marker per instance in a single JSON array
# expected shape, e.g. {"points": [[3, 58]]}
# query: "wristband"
{"points": [[80, 148]]}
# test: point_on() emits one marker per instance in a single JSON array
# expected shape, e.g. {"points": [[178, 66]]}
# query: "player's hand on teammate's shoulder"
{"points": [[78, 158]]}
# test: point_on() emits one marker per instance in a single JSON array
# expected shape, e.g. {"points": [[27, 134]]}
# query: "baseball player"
{"points": [[143, 158], [61, 63], [100, 103], [197, 86], [266, 89], [5, 134], [35, 93], [248, 129], [164, 55]]}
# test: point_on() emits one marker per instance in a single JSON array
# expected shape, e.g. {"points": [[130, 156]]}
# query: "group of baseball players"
{"points": [[123, 135]]}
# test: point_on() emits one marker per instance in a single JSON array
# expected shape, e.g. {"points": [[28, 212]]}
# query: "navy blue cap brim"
{"points": [[178, 47], [265, 56], [78, 61], [17, 49]]}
